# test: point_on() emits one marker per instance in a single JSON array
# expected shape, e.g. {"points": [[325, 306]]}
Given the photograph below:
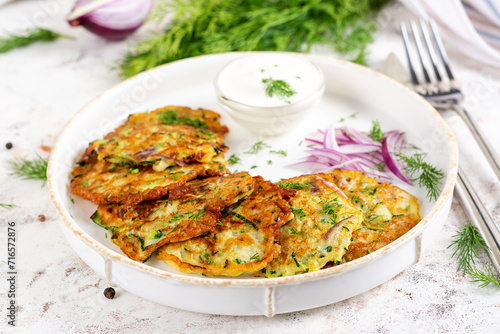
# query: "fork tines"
{"points": [[430, 86]]}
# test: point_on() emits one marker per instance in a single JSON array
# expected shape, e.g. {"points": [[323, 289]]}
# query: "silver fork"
{"points": [[447, 95], [441, 94]]}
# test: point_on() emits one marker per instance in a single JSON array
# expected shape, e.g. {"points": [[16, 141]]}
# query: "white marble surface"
{"points": [[44, 85]]}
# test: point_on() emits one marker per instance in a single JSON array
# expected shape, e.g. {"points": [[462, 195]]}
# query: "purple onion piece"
{"points": [[327, 234], [144, 153], [334, 187], [111, 19], [388, 149]]}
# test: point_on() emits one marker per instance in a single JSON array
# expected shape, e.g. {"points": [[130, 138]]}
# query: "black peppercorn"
{"points": [[8, 145], [109, 293]]}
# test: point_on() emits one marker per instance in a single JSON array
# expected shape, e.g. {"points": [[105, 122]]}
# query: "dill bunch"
{"points": [[467, 243], [28, 37], [215, 26], [30, 169]]}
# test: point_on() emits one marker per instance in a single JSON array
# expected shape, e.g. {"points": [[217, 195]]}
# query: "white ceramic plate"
{"points": [[350, 89]]}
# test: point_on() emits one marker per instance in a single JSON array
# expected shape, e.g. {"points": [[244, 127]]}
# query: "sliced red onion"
{"points": [[327, 234], [331, 185], [144, 153], [111, 19], [358, 148], [389, 151], [347, 148]]}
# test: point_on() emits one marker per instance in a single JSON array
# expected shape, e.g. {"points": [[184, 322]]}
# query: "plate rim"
{"points": [[109, 254]]}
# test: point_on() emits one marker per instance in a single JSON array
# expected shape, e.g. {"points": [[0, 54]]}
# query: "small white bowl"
{"points": [[240, 90]]}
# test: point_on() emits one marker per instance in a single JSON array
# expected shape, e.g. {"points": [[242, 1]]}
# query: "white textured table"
{"points": [[44, 85]]}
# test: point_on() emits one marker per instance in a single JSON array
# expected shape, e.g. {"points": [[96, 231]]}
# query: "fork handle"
{"points": [[485, 145], [480, 217]]}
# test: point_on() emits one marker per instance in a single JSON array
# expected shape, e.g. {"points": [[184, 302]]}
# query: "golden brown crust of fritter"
{"points": [[149, 225], [177, 115], [150, 144], [103, 183], [389, 212], [244, 241], [320, 231]]}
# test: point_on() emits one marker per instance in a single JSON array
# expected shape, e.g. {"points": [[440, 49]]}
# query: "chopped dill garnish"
{"points": [[7, 206], [257, 147], [282, 152], [30, 170], [296, 186], [255, 257], [299, 213], [254, 166], [467, 243], [28, 37], [269, 162], [171, 117], [376, 132], [381, 166], [294, 231], [279, 88], [233, 159], [428, 176]]}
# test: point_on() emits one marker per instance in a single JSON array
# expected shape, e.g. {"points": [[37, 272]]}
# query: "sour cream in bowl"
{"points": [[269, 92]]}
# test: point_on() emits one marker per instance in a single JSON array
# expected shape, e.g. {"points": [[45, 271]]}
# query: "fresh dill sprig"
{"points": [[7, 206], [376, 132], [427, 175], [257, 147], [217, 26], [28, 37], [233, 159], [30, 170], [279, 88], [467, 243]]}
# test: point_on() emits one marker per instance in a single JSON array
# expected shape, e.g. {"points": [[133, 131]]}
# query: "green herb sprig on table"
{"points": [[30, 169], [467, 243], [28, 37], [7, 206], [215, 26]]}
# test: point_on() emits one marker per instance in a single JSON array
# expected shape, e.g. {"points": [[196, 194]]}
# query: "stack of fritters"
{"points": [[244, 240], [161, 186], [149, 225], [151, 154]]}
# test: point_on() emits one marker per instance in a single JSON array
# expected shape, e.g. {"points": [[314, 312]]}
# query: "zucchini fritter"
{"points": [[175, 115], [149, 225], [160, 145], [244, 241], [389, 212], [102, 183], [321, 230]]}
